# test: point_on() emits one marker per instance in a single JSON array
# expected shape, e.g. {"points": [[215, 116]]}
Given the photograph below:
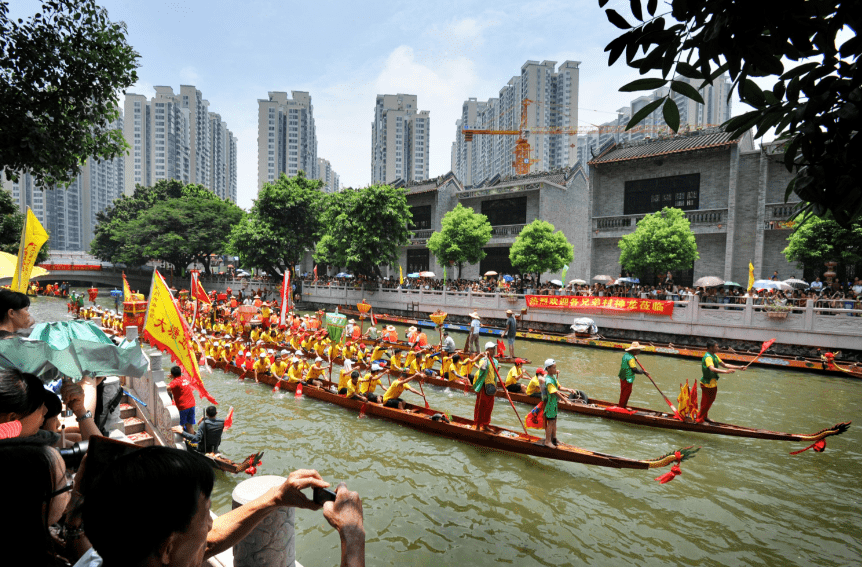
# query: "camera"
{"points": [[73, 455]]}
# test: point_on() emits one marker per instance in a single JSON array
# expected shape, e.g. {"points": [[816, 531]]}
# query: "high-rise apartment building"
{"points": [[331, 181], [69, 215], [714, 112], [400, 136], [551, 97], [286, 137], [171, 138]]}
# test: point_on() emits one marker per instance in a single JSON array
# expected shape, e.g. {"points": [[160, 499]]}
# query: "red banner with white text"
{"points": [[601, 305]]}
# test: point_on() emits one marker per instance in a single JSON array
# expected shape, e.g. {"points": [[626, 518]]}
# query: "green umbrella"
{"points": [[71, 348], [732, 284]]}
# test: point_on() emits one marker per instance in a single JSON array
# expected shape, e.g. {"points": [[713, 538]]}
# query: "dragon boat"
{"points": [[461, 429]]}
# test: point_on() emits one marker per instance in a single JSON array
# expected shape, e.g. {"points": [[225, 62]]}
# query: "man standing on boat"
{"points": [[511, 331], [628, 369], [473, 337], [553, 389], [485, 388], [711, 366], [448, 343]]}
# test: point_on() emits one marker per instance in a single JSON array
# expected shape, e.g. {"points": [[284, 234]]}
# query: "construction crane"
{"points": [[522, 161], [522, 151]]}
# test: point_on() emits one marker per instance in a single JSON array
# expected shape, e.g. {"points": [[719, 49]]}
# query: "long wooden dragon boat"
{"points": [[461, 429], [609, 410], [851, 370], [652, 418]]}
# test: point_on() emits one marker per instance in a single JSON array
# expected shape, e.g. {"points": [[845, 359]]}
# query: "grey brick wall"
{"points": [[711, 248], [744, 235], [774, 243]]}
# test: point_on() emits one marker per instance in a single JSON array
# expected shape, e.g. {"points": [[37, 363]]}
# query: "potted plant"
{"points": [[776, 311]]}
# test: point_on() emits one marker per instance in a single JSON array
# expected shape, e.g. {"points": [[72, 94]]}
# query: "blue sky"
{"points": [[345, 53]]}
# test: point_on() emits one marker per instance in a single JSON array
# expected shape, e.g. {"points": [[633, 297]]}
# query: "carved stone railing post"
{"points": [[272, 542]]}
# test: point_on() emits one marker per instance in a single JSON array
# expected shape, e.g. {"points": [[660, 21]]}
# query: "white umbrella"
{"points": [[557, 282], [426, 274], [797, 284], [578, 282], [490, 273], [603, 278], [769, 284]]}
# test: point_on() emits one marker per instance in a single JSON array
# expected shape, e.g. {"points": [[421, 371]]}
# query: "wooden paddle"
{"points": [[421, 389], [675, 412], [763, 348], [508, 397]]}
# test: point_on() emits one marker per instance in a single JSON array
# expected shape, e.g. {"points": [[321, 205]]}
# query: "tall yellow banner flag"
{"points": [[400, 275], [750, 276], [167, 330], [127, 291], [32, 238]]}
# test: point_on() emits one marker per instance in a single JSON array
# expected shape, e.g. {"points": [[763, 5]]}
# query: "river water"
{"points": [[433, 501]]}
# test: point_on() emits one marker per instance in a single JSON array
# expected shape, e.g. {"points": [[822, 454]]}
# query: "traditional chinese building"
{"points": [[731, 192]]}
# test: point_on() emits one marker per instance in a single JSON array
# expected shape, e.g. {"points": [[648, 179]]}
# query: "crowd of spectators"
{"points": [[833, 296], [64, 487]]}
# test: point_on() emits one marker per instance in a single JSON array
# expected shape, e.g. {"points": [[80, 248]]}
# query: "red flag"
{"points": [[200, 294], [501, 348], [373, 318], [315, 273], [285, 296], [766, 345], [536, 418], [228, 421]]}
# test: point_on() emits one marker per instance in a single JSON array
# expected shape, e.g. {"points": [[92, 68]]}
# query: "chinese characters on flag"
{"points": [[601, 305]]}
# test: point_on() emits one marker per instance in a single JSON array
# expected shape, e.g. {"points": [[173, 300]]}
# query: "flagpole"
{"points": [[21, 248]]}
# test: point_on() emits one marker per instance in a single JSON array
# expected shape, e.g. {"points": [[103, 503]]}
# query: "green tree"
{"points": [[11, 225], [364, 229], [61, 71], [284, 223], [662, 241], [463, 234], [823, 240], [814, 106], [170, 221], [538, 249]]}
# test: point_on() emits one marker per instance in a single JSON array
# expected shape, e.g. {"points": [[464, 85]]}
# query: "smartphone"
{"points": [[322, 495]]}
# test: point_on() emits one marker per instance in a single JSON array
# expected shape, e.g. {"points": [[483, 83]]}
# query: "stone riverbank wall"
{"points": [[804, 332]]}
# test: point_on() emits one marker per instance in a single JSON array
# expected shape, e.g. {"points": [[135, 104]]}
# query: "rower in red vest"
{"points": [[357, 333], [240, 359], [412, 335], [422, 339]]}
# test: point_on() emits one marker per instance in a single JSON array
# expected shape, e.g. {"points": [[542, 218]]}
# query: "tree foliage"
{"points": [[823, 240], [813, 106], [284, 222], [364, 228], [463, 234], [538, 249], [61, 71], [662, 241], [172, 222], [11, 225]]}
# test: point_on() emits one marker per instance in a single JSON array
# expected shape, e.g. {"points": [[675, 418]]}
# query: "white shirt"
{"points": [[475, 325]]}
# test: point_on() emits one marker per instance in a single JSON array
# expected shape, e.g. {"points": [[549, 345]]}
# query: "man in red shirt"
{"points": [[183, 394]]}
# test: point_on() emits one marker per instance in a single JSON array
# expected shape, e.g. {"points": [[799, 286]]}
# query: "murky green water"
{"points": [[432, 501]]}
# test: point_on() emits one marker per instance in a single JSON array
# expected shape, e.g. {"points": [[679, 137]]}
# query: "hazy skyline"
{"points": [[345, 54]]}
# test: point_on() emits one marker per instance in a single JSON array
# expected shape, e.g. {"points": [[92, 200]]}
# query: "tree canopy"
{"points": [[11, 225], [463, 234], [813, 106], [284, 222], [822, 240], [364, 228], [61, 72], [172, 222], [538, 249], [662, 241]]}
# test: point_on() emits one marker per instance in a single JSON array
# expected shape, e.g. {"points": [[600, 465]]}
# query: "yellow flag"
{"points": [[400, 275], [32, 238], [168, 330], [750, 276], [127, 291]]}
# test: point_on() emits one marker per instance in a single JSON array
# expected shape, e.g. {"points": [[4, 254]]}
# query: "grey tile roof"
{"points": [[558, 177], [428, 185], [677, 144]]}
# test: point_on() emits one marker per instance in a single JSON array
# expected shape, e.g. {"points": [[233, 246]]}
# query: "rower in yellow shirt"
{"points": [[295, 342], [353, 388], [391, 398], [343, 379], [294, 373], [254, 336], [534, 388], [315, 373], [397, 360], [515, 374], [369, 384], [279, 367], [261, 366], [266, 337]]}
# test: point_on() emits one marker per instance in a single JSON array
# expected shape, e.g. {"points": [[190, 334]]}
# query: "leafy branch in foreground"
{"points": [[813, 106]]}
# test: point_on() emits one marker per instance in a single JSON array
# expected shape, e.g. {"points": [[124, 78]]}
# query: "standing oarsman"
{"points": [[473, 337], [711, 366], [628, 369], [485, 388], [511, 331]]}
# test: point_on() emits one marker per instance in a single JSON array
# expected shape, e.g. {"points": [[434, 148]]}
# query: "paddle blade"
{"points": [[275, 388], [766, 345], [298, 391], [362, 410], [228, 422]]}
